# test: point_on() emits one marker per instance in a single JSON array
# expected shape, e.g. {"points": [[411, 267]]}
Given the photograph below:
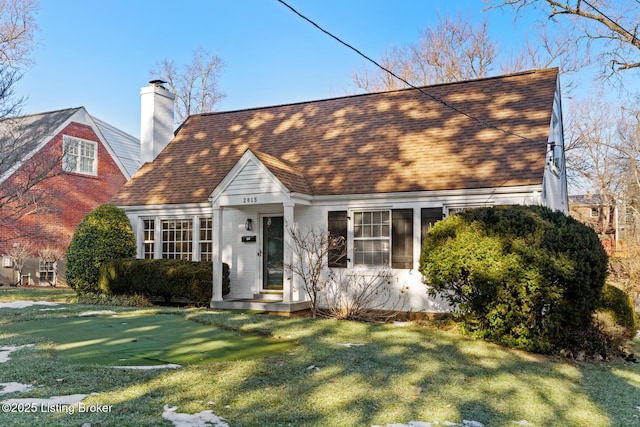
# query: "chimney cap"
{"points": [[157, 82]]}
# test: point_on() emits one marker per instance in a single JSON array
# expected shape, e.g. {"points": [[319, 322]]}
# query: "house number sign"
{"points": [[249, 199]]}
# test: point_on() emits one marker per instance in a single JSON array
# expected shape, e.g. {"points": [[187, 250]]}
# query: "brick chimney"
{"points": [[156, 120]]}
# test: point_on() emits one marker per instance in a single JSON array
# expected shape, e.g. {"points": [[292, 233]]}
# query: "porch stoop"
{"points": [[260, 304]]}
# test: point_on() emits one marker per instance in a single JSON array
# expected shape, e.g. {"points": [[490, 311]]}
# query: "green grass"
{"points": [[145, 339], [399, 374]]}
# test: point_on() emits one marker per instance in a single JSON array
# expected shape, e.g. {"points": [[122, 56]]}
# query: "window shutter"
{"points": [[337, 226], [428, 217], [402, 238]]}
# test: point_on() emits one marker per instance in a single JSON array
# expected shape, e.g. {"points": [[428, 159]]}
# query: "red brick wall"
{"points": [[69, 196]]}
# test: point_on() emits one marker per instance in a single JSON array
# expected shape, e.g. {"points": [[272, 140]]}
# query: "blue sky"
{"points": [[98, 54]]}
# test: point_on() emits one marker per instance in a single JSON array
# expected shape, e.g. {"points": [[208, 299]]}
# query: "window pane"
{"points": [[371, 238], [177, 239]]}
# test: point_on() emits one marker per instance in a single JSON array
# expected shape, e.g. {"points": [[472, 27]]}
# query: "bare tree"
{"points": [[612, 22], [457, 49], [454, 50], [312, 250], [194, 85], [18, 254], [22, 171], [17, 36]]}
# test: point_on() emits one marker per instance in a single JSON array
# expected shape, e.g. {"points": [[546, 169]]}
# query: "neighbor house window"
{"points": [[206, 239], [47, 269], [371, 238], [595, 212], [148, 229], [177, 238], [80, 155]]}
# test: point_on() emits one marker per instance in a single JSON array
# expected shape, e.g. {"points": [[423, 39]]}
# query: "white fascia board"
{"points": [[439, 194], [169, 210], [96, 129]]}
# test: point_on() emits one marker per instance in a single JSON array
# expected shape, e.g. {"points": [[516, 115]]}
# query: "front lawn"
{"points": [[338, 374]]}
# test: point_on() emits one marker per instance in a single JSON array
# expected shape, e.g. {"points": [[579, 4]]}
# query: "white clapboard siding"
{"points": [[252, 179]]}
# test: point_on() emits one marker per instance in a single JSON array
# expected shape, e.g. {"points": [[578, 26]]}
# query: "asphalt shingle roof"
{"points": [[394, 141]]}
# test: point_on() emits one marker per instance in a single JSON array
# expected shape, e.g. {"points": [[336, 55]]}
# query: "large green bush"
{"points": [[165, 278], [104, 234], [522, 276]]}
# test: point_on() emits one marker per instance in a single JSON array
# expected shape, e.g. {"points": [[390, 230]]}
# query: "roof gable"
{"points": [[247, 178], [22, 137], [384, 142]]}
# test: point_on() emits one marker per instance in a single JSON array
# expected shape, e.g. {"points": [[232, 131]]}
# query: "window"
{"points": [[47, 270], [206, 239], [371, 238], [177, 236], [595, 212], [80, 156], [337, 226], [148, 227]]}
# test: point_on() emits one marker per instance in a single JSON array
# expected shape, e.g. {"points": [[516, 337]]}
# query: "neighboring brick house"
{"points": [[376, 169], [85, 161], [600, 214]]}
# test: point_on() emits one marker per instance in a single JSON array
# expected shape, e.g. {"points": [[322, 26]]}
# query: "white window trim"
{"points": [[66, 141], [157, 240], [363, 268]]}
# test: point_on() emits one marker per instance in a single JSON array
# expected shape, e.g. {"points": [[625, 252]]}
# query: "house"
{"points": [[375, 168], [56, 167], [601, 214]]}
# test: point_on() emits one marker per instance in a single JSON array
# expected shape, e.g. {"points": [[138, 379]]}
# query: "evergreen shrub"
{"points": [[165, 278], [104, 234], [522, 276], [620, 307]]}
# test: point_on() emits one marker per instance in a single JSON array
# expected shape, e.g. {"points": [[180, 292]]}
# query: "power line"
{"points": [[433, 97]]}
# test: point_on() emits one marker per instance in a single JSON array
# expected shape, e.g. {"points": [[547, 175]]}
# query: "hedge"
{"points": [[165, 278]]}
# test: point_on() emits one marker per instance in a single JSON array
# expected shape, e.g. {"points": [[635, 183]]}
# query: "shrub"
{"points": [[113, 300], [618, 304], [104, 234], [165, 278], [522, 276]]}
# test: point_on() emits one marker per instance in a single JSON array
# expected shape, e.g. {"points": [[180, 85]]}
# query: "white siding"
{"points": [[252, 180]]}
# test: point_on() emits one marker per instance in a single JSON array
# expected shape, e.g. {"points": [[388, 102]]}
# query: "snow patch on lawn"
{"points": [[13, 387], [201, 419], [96, 313], [167, 366], [7, 350], [70, 399], [24, 304]]}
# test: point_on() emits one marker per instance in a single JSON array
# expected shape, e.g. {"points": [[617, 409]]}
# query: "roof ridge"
{"points": [[41, 114], [356, 95]]}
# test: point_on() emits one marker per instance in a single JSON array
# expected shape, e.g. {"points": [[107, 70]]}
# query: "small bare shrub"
{"points": [[367, 296]]}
